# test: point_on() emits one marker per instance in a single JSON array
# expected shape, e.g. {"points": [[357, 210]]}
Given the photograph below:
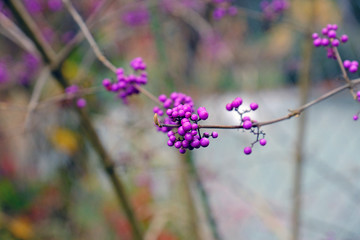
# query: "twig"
{"points": [[293, 113], [65, 52], [88, 36], [34, 100], [344, 73], [16, 34], [31, 29]]}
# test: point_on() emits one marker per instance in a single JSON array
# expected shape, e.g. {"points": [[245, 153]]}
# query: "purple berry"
{"points": [[204, 142], [254, 106], [315, 36], [81, 102], [203, 115], [182, 150], [170, 143], [332, 34], [106, 82], [172, 138], [214, 134], [185, 143], [358, 94], [247, 150], [325, 42], [162, 98], [344, 38], [247, 124], [178, 144], [262, 142], [347, 63], [181, 131], [246, 118], [194, 126], [353, 68], [229, 107], [187, 126], [195, 143], [194, 117], [335, 43], [317, 42], [355, 117], [324, 31], [188, 137]]}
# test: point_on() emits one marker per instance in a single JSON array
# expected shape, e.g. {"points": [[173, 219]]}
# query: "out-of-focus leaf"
{"points": [[21, 228], [64, 140]]}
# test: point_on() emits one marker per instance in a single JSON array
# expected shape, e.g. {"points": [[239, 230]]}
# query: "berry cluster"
{"points": [[123, 86], [71, 92], [352, 66], [223, 8], [185, 132], [274, 8], [247, 123], [329, 39]]}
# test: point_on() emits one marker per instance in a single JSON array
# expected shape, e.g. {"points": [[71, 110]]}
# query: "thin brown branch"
{"points": [[15, 34], [293, 113], [88, 36], [90, 22], [344, 73], [31, 29], [34, 100]]}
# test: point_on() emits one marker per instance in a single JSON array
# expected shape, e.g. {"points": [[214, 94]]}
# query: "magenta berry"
{"points": [[247, 150], [262, 142], [355, 117], [203, 115], [344, 38], [347, 63], [204, 142], [317, 42], [332, 34], [247, 124], [254, 106], [214, 134], [353, 69], [81, 102], [182, 150], [335, 43], [229, 107]]}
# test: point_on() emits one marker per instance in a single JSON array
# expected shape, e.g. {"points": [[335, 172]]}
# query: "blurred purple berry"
{"points": [[81, 102]]}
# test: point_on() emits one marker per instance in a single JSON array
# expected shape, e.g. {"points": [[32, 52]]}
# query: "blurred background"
{"points": [[304, 184]]}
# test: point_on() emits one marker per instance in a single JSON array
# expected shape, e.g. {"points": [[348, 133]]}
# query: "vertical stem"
{"points": [[304, 82], [193, 219], [204, 198]]}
